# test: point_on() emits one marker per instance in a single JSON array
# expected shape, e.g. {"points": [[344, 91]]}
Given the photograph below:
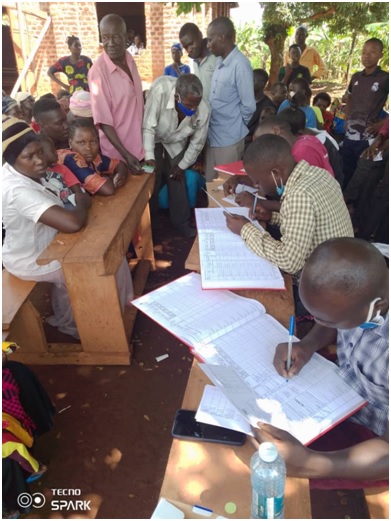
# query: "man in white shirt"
{"points": [[175, 127]]}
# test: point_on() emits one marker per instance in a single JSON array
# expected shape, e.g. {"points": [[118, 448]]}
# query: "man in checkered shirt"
{"points": [[312, 206], [344, 284]]}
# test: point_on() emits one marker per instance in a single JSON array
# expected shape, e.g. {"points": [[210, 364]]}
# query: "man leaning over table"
{"points": [[174, 130], [344, 284], [116, 96]]}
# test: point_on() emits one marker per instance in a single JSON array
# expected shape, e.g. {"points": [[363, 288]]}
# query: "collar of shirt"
{"points": [[301, 167], [374, 73], [8, 169], [171, 100], [208, 53], [111, 66], [229, 58]]}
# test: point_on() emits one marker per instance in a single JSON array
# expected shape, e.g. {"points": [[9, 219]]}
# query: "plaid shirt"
{"points": [[312, 211], [363, 364]]}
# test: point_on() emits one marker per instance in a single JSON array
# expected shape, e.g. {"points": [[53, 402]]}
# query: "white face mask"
{"points": [[376, 321]]}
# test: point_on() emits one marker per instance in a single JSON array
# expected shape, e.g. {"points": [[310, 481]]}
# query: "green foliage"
{"points": [[187, 7], [249, 38]]}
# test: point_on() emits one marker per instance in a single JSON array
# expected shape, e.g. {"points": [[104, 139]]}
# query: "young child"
{"points": [[294, 70], [32, 216], [267, 112], [58, 178], [323, 101], [278, 94], [300, 95], [89, 166]]}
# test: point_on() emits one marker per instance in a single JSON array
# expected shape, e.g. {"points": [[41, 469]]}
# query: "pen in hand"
{"points": [[254, 204], [290, 338]]}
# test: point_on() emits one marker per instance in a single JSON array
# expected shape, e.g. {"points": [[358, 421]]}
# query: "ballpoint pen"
{"points": [[255, 203], [290, 338]]}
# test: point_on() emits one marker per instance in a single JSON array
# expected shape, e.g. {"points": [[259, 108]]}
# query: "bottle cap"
{"points": [[268, 452]]}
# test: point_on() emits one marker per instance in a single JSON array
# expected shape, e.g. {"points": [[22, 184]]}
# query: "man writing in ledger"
{"points": [[344, 285]]}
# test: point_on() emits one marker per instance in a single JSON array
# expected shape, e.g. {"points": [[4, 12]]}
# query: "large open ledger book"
{"points": [[237, 340], [225, 260]]}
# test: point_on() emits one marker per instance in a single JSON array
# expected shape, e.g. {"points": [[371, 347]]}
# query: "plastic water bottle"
{"points": [[268, 483]]}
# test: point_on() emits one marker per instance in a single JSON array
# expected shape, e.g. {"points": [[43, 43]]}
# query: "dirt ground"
{"points": [[111, 435]]}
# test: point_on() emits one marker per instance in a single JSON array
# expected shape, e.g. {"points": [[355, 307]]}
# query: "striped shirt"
{"points": [[312, 211], [364, 364]]}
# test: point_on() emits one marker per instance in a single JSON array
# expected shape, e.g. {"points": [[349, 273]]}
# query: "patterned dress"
{"points": [[76, 73]]}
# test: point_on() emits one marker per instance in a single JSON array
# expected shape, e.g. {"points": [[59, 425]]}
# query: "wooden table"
{"points": [[210, 474], [90, 260]]}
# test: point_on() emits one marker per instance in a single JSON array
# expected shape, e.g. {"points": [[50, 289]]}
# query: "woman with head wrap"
{"points": [[32, 215], [10, 107], [75, 67], [26, 102], [177, 68], [79, 106]]}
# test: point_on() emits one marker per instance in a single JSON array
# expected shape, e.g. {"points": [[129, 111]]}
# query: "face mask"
{"points": [[185, 110], [279, 189], [376, 321]]}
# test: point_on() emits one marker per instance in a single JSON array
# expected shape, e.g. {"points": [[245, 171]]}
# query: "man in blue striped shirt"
{"points": [[231, 97]]}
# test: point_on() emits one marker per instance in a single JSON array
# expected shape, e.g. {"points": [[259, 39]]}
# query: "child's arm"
{"points": [[120, 175]]}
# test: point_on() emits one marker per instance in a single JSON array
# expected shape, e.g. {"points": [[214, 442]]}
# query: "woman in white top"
{"points": [[32, 215]]}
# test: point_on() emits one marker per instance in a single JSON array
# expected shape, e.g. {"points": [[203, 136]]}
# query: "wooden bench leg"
{"points": [[144, 248]]}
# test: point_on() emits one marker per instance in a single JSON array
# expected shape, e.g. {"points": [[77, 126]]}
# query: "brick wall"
{"points": [[80, 19]]}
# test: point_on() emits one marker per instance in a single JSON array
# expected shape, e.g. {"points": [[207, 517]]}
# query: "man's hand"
{"points": [[150, 162], [294, 453], [230, 185], [377, 146], [177, 174], [261, 213], [133, 164], [245, 199], [235, 222], [83, 199], [121, 175], [300, 356], [374, 128]]}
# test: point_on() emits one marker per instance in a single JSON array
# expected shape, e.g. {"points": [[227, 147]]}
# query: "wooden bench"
{"points": [[21, 321]]}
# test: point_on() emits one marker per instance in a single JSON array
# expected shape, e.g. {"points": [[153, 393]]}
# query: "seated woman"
{"points": [[87, 164], [177, 68], [32, 216]]}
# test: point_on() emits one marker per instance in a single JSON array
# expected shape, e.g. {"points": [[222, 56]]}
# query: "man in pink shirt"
{"points": [[116, 96]]}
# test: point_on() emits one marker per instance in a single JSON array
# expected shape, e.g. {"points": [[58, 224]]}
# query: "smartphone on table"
{"points": [[186, 427]]}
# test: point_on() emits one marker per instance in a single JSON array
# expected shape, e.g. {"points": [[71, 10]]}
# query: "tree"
{"points": [[342, 18]]}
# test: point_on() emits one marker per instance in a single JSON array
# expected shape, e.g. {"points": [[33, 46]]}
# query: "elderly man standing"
{"points": [[116, 96], [231, 98], [310, 57], [174, 130]]}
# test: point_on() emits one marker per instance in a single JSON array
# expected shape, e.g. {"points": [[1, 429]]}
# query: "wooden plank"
{"points": [[27, 331], [278, 303], [58, 248], [14, 293], [67, 357], [378, 502], [211, 474]]}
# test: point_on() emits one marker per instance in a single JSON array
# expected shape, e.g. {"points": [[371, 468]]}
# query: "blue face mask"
{"points": [[376, 321], [185, 110], [279, 189]]}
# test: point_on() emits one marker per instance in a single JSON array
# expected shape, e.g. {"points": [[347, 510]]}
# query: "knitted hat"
{"points": [[16, 136], [22, 96], [8, 104], [177, 46], [80, 104]]}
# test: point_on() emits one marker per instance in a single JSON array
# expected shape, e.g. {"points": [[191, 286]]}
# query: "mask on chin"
{"points": [[183, 109]]}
